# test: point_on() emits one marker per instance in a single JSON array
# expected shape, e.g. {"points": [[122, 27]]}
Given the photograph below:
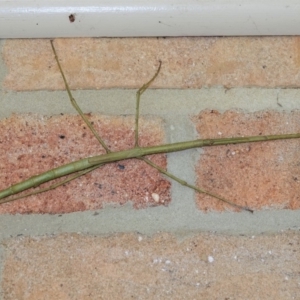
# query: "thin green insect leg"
{"points": [[137, 108], [74, 103], [197, 189]]}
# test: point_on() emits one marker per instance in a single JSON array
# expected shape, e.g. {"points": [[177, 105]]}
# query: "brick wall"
{"points": [[125, 230]]}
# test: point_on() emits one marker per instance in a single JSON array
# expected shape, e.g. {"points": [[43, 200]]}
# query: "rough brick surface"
{"points": [[187, 62], [131, 266], [262, 175], [31, 144]]}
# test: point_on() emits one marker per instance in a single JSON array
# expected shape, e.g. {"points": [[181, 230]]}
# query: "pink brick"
{"points": [[131, 266], [262, 175], [31, 144], [187, 62]]}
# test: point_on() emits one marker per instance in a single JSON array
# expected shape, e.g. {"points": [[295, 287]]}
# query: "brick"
{"points": [[32, 144], [134, 266], [262, 175], [187, 62]]}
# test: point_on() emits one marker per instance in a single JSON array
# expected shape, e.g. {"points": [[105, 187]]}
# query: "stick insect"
{"points": [[85, 165]]}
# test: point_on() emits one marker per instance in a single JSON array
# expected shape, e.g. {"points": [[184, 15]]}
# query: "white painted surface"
{"points": [[135, 18]]}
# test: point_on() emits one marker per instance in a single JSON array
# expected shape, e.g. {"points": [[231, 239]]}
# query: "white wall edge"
{"points": [[142, 18]]}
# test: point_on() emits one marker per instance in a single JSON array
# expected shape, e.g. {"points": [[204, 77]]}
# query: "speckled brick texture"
{"points": [[187, 62], [133, 266], [257, 175], [32, 144]]}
